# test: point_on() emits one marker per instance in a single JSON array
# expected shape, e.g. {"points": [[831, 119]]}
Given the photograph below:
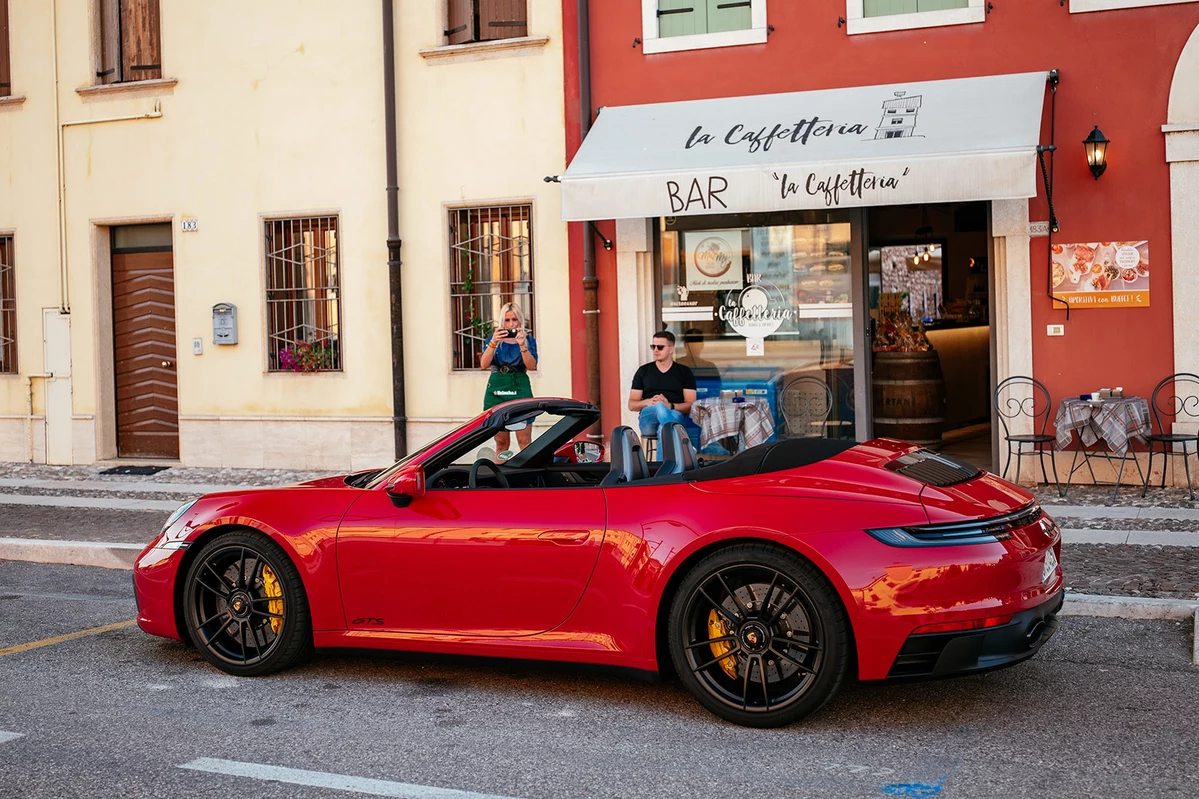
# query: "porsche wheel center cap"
{"points": [[239, 605], [754, 637]]}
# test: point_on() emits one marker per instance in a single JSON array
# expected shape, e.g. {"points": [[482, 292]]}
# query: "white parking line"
{"points": [[323, 779], [5, 737]]}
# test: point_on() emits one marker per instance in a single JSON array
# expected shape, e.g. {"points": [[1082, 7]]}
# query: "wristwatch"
{"points": [[671, 404]]}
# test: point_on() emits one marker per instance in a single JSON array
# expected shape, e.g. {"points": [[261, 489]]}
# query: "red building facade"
{"points": [[1124, 66]]}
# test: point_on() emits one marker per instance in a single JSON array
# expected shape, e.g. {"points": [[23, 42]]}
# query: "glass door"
{"points": [[770, 309]]}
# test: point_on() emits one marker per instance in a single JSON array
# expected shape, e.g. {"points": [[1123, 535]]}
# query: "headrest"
{"points": [[677, 453], [628, 460]]}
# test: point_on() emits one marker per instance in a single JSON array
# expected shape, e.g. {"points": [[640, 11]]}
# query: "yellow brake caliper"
{"points": [[716, 630], [270, 584]]}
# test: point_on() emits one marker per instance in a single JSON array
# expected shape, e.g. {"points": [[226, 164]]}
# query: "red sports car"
{"points": [[765, 579]]}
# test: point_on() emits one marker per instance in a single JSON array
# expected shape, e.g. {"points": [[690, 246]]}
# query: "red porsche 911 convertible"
{"points": [[765, 579]]}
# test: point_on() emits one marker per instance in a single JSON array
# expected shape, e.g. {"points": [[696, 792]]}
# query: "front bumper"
{"points": [[943, 654]]}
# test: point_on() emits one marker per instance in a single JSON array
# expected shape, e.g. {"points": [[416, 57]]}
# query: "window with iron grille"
{"points": [[491, 263], [5, 64], [303, 295], [8, 309], [130, 40], [485, 20]]}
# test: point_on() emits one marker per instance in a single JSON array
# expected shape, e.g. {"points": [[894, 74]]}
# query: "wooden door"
{"points": [[147, 392]]}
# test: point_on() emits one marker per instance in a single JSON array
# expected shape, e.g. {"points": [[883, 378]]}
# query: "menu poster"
{"points": [[713, 259], [1101, 274], [773, 255]]}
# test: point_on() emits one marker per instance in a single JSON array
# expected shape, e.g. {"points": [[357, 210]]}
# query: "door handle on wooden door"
{"points": [[565, 537]]}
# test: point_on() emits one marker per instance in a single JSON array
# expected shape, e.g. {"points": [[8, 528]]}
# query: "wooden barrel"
{"points": [[909, 396]]}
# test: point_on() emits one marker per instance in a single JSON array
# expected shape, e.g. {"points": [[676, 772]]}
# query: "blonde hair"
{"points": [[514, 308]]}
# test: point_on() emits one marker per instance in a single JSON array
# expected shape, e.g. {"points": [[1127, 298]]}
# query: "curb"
{"points": [[1135, 607], [103, 554]]}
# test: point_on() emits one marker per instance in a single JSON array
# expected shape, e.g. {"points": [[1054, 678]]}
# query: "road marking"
{"points": [[324, 779], [5, 737], [1175, 538], [58, 639]]}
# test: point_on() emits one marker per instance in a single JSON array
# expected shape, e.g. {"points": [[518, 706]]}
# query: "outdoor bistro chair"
{"points": [[1182, 405], [807, 403], [1019, 398]]}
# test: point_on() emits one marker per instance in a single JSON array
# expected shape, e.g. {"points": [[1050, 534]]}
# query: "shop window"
{"points": [[130, 41], [671, 25], [767, 313], [491, 263], [303, 295], [8, 308], [485, 20], [5, 58], [875, 16]]}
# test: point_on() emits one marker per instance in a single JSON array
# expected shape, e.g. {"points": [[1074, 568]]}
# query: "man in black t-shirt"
{"points": [[662, 390]]}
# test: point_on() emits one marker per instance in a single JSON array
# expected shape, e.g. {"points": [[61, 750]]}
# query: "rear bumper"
{"points": [[944, 654]]}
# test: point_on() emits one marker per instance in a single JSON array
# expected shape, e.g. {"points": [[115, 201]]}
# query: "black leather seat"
{"points": [[678, 455], [628, 461]]}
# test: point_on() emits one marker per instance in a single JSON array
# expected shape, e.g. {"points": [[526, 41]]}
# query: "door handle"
{"points": [[565, 537]]}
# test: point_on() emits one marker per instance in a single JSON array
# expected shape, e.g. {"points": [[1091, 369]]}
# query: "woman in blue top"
{"points": [[510, 354]]}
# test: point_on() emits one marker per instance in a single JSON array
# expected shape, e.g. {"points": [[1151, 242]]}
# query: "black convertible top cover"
{"points": [[773, 456]]}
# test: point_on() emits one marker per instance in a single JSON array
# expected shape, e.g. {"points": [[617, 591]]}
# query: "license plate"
{"points": [[1050, 567]]}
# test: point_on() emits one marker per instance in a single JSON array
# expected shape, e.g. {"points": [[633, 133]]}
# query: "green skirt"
{"points": [[504, 387]]}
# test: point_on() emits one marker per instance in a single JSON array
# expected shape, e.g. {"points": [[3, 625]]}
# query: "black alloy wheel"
{"points": [[758, 635], [244, 605]]}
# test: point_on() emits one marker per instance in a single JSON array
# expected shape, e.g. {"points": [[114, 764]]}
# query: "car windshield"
{"points": [[383, 476]]}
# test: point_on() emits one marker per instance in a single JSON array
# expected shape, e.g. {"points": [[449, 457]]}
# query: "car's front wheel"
{"points": [[244, 605], [758, 635]]}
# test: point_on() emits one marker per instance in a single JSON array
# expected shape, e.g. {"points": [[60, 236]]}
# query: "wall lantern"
{"points": [[1096, 147]]}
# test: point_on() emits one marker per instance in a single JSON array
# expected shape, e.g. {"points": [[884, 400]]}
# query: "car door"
{"points": [[484, 561]]}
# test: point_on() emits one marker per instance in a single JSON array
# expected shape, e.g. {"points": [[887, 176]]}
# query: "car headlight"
{"points": [[178, 513]]}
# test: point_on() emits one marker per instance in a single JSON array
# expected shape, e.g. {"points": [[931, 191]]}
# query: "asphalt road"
{"points": [[1108, 708]]}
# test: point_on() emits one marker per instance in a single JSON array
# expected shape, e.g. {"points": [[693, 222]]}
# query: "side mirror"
{"points": [[408, 485], [580, 452]]}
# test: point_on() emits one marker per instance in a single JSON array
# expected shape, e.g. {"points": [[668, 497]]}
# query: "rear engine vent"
{"points": [[933, 468]]}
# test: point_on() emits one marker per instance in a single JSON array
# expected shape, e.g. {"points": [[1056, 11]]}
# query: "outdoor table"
{"points": [[1113, 422], [750, 421]]}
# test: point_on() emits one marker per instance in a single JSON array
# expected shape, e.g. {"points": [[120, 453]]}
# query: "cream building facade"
{"points": [[242, 174]]}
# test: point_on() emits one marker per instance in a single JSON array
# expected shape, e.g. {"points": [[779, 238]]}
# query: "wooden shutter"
{"points": [[682, 17], [460, 21], [141, 45], [502, 19], [729, 15], [5, 65], [109, 62]]}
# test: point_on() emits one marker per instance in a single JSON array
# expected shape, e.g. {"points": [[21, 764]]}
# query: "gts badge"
{"points": [[368, 621]]}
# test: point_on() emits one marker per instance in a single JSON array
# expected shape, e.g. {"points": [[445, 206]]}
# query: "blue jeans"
{"points": [[654, 416]]}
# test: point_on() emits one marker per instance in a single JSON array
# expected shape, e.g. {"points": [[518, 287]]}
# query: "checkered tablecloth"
{"points": [[1114, 421], [750, 421]]}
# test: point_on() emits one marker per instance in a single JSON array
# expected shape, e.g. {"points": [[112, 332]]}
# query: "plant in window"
{"points": [[308, 356]]}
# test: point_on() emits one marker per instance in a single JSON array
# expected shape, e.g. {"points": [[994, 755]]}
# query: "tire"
{"points": [[758, 635], [249, 580]]}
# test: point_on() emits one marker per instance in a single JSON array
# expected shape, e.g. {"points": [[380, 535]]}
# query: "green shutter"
{"points": [[729, 15], [941, 5], [884, 8], [682, 17]]}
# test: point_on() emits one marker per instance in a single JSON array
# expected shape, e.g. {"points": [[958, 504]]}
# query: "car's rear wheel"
{"points": [[758, 635], [245, 607]]}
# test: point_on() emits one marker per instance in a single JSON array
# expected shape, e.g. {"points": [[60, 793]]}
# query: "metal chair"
{"points": [[1178, 406], [649, 443], [807, 403], [1025, 398]]}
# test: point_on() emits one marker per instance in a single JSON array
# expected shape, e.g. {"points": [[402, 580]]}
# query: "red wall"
{"points": [[1116, 68]]}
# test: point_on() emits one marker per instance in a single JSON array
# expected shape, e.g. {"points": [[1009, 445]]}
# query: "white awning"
{"points": [[937, 141]]}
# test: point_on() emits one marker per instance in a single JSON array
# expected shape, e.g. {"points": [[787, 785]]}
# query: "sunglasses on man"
{"points": [[658, 346]]}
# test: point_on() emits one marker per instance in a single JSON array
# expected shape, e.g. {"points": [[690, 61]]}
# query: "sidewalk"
{"points": [[1137, 547]]}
